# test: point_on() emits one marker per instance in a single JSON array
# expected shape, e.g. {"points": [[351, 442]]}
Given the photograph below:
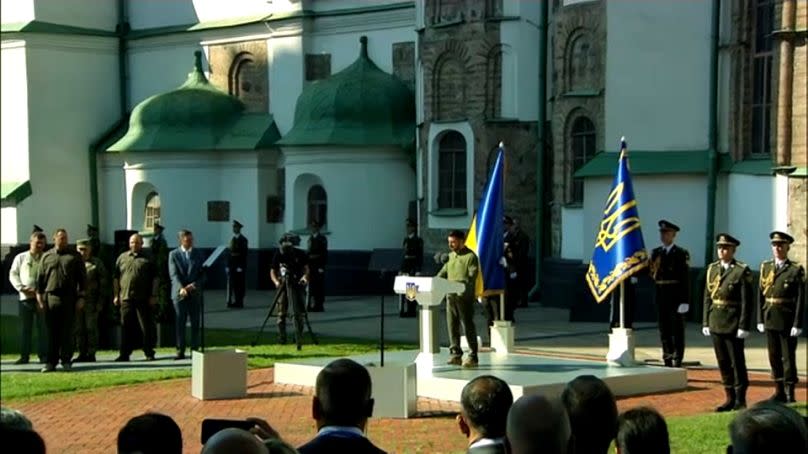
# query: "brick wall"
{"points": [[240, 69]]}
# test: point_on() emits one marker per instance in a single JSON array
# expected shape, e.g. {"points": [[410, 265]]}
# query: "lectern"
{"points": [[429, 292]]}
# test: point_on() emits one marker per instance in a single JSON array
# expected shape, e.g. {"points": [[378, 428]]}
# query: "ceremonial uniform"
{"points": [[462, 266], [781, 302], [237, 267], [670, 270], [517, 247], [289, 265], [317, 259], [728, 308], [411, 263], [159, 253], [86, 326]]}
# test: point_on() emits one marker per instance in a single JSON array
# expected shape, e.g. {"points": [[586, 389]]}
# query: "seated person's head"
{"points": [[537, 424], [150, 433], [14, 419], [22, 440], [233, 440], [342, 395], [592, 410], [768, 427], [485, 402], [642, 430]]}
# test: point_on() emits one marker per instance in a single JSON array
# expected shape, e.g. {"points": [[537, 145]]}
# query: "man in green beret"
{"points": [[781, 302], [728, 305], [86, 324]]}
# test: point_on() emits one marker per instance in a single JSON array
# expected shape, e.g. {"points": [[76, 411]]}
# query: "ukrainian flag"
{"points": [[485, 235], [619, 247]]}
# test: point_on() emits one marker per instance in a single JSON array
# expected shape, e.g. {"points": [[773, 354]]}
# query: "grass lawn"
{"points": [[23, 386]]}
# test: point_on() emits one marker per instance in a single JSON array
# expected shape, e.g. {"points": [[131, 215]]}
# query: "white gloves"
{"points": [[503, 262], [742, 334], [705, 330], [761, 328], [513, 275], [683, 308], [795, 332]]}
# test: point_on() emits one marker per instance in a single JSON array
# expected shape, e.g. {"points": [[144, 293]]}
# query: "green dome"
{"points": [[360, 105], [196, 102]]}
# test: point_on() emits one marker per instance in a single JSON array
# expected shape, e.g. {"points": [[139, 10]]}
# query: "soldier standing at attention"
{"points": [[60, 293], [411, 264], [670, 270], [86, 326], [461, 267], [781, 302], [318, 257], [728, 305], [159, 254], [237, 267], [134, 289], [517, 247]]}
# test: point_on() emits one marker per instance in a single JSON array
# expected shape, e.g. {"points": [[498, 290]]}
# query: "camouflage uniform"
{"points": [[86, 326]]}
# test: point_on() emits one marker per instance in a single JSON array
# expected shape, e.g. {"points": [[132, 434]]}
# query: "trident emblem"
{"points": [[411, 291]]}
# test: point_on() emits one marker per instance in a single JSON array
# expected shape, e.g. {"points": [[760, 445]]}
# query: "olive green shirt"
{"points": [[61, 273], [728, 300], [781, 295], [136, 276], [462, 267], [96, 281]]}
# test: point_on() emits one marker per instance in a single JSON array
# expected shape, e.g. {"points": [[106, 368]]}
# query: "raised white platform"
{"points": [[525, 374]]}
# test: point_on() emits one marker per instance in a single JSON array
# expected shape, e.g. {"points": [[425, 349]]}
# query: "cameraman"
{"points": [[290, 273]]}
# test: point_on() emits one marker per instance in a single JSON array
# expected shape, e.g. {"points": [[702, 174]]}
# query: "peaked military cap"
{"points": [[781, 237], [667, 225], [157, 225], [37, 229], [237, 224], [84, 242], [508, 220], [725, 239]]}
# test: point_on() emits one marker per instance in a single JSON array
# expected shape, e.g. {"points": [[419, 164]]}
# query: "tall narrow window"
{"points": [[582, 140], [152, 211], [317, 206], [762, 57], [452, 171]]}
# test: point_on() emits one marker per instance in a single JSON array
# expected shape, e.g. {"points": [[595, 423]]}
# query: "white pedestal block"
{"points": [[219, 374], [621, 348], [502, 334], [464, 343], [394, 390]]}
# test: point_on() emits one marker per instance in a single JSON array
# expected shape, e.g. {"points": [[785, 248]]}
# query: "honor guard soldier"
{"points": [[159, 253], [95, 242], [237, 267], [781, 302], [411, 264], [318, 257], [670, 270], [517, 247], [86, 323], [728, 306]]}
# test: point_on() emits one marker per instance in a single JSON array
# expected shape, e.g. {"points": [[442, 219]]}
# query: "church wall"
{"points": [[102, 15], [69, 108], [657, 77], [344, 46], [520, 66], [286, 78], [573, 245], [174, 60], [112, 196], [658, 197], [368, 193], [14, 101], [752, 216], [151, 14]]}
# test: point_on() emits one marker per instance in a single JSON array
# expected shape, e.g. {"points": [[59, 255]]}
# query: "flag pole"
{"points": [[623, 303], [502, 306]]}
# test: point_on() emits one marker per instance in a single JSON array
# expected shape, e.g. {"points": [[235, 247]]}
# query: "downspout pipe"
{"points": [[712, 150], [122, 29], [540, 150], [786, 84]]}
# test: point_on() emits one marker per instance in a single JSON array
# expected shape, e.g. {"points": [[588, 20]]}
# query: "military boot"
{"points": [[779, 393], [791, 395], [729, 402], [740, 397]]}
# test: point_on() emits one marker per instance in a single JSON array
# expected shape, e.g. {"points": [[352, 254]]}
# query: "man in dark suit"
{"points": [[781, 302], [318, 257], [517, 248], [484, 405], [728, 305], [411, 263], [341, 407], [670, 270], [237, 267], [185, 269]]}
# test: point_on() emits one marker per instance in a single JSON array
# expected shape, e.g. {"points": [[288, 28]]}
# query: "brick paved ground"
{"points": [[88, 422]]}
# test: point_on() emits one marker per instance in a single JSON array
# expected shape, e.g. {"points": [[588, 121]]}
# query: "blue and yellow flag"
{"points": [[619, 247], [485, 235]]}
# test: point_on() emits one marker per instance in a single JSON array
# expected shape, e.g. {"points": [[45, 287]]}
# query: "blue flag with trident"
{"points": [[619, 247]]}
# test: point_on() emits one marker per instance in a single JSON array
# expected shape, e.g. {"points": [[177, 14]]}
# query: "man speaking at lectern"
{"points": [[461, 267]]}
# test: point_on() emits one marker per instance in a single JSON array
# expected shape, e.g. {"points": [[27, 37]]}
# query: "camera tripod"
{"points": [[298, 312]]}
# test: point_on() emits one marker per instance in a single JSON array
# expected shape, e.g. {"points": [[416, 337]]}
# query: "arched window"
{"points": [[762, 60], [317, 205], [582, 140], [450, 91], [152, 211], [581, 63], [452, 170], [247, 82]]}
